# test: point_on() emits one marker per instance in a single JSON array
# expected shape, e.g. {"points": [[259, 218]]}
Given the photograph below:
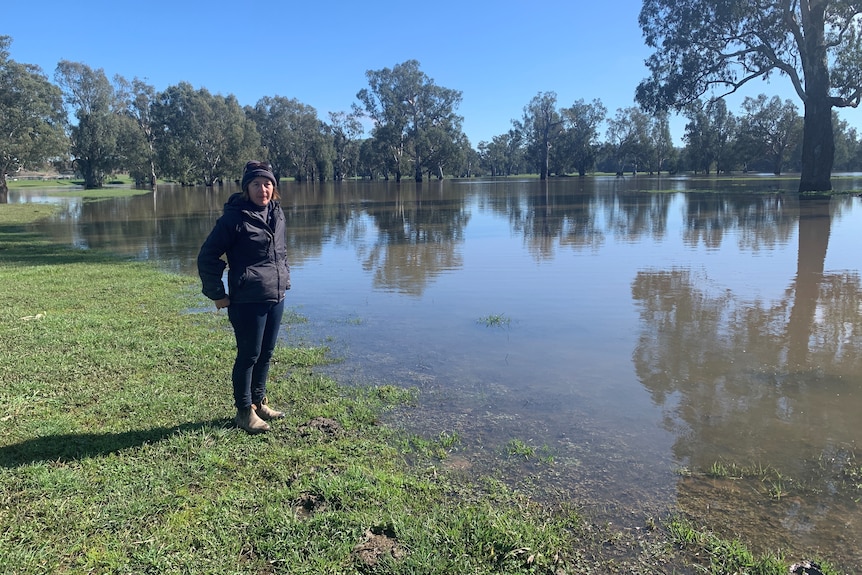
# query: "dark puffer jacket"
{"points": [[256, 254]]}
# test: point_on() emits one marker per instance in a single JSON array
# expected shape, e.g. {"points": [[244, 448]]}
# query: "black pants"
{"points": [[256, 327]]}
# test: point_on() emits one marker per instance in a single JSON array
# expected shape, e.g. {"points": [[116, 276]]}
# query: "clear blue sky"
{"points": [[499, 54]]}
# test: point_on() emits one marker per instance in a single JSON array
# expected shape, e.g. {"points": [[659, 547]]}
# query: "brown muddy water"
{"points": [[635, 345]]}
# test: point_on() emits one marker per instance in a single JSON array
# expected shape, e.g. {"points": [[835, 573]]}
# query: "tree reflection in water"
{"points": [[787, 406]]}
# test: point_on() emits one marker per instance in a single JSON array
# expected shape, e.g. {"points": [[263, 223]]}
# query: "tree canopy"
{"points": [[411, 114], [31, 115], [715, 47], [202, 137]]}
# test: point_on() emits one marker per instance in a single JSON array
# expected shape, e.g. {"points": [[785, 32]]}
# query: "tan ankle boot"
{"points": [[266, 412], [248, 420]]}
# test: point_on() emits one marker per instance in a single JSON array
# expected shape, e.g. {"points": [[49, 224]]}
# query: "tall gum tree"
{"points": [[32, 118], [97, 108], [715, 47], [542, 126], [405, 106]]}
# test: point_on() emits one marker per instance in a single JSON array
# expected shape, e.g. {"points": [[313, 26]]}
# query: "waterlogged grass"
{"points": [[842, 470], [728, 556], [495, 320], [118, 453], [519, 448]]}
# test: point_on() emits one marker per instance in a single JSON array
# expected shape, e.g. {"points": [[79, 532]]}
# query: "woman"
{"points": [[250, 233]]}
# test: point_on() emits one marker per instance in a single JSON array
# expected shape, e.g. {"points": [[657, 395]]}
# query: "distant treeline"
{"points": [[402, 125]]}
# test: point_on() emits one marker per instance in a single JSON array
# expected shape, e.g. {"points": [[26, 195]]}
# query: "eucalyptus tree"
{"points": [[699, 139], [405, 105], [643, 146], [711, 137], [177, 128], [707, 47], [289, 131], [32, 130], [503, 155], [133, 153], [97, 108], [848, 150], [374, 159], [771, 129], [469, 162], [581, 124], [202, 137], [627, 139], [542, 126], [322, 161], [491, 156], [442, 150], [137, 97], [662, 149], [725, 136], [345, 130]]}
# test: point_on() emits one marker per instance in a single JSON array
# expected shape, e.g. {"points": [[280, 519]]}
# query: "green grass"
{"points": [[14, 184], [118, 454]]}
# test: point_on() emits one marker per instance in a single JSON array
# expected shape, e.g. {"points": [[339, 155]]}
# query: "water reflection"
{"points": [[652, 331], [761, 383]]}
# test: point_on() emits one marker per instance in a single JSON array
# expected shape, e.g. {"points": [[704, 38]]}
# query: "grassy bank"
{"points": [[118, 453]]}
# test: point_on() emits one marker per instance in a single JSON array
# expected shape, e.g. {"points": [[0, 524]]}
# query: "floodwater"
{"points": [[635, 345]]}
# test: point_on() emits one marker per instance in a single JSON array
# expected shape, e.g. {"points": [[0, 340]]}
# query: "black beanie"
{"points": [[254, 170]]}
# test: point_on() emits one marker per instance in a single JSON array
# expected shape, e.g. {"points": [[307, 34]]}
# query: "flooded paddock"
{"points": [[635, 345]]}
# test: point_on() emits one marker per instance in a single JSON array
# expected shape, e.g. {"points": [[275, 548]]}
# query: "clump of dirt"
{"points": [[378, 542], [308, 504], [328, 427]]}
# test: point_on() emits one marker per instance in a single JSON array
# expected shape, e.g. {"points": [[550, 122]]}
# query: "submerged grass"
{"points": [[495, 320], [118, 454]]}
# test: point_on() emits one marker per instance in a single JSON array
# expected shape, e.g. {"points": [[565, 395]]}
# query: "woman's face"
{"points": [[260, 191]]}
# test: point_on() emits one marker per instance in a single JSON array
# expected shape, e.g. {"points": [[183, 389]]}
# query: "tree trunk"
{"points": [[546, 161], [818, 145], [153, 178], [91, 180]]}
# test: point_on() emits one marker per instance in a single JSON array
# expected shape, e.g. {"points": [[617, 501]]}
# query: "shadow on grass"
{"points": [[72, 447]]}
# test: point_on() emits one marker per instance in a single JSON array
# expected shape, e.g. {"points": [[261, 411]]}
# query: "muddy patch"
{"points": [[321, 427], [378, 544]]}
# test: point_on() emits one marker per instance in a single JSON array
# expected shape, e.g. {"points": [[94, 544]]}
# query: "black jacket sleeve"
{"points": [[210, 263]]}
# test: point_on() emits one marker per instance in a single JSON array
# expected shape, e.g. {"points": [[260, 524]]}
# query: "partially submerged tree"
{"points": [[542, 126], [707, 47], [580, 141], [770, 129], [33, 118], [710, 136], [290, 132], [97, 108], [345, 130], [628, 139], [201, 137], [661, 150], [138, 98], [406, 107]]}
